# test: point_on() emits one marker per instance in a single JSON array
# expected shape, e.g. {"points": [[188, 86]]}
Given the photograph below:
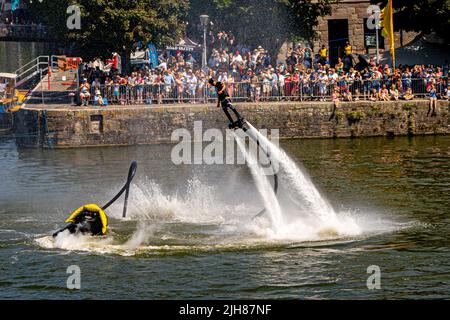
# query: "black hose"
{"points": [[126, 189]]}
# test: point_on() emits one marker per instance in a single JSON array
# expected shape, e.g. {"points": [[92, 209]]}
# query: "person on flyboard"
{"points": [[225, 101]]}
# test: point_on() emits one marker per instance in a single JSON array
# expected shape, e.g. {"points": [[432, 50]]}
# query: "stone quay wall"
{"points": [[6, 122], [133, 125]]}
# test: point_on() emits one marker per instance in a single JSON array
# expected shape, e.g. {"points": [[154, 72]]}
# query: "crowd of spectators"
{"points": [[254, 75]]}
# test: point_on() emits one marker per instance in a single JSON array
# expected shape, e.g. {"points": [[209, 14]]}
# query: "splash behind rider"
{"points": [[224, 100]]}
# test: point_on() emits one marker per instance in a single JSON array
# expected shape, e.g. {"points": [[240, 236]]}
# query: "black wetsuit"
{"points": [[86, 222], [225, 102]]}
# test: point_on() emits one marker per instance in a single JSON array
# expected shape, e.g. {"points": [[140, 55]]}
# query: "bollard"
{"points": [[72, 98]]}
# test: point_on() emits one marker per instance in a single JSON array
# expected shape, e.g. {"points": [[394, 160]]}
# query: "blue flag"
{"points": [[153, 55], [15, 5]]}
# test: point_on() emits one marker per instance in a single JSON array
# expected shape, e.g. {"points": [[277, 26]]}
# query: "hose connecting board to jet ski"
{"points": [[249, 130], [126, 189], [77, 222]]}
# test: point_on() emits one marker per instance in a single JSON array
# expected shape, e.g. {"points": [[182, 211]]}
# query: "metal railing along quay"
{"points": [[161, 93], [15, 32]]}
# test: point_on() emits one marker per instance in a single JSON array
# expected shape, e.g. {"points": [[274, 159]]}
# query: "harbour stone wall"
{"points": [[133, 125], [6, 122]]}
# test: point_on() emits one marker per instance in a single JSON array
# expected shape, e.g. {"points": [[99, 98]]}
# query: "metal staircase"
{"points": [[49, 79]]}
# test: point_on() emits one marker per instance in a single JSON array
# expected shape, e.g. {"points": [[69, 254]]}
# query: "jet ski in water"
{"points": [[91, 219]]}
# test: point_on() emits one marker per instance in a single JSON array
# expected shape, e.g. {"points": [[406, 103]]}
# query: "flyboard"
{"points": [[245, 126], [91, 218]]}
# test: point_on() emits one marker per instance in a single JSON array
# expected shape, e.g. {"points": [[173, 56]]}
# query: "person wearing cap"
{"points": [[224, 100]]}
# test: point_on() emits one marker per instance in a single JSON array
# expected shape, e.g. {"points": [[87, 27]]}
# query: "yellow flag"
{"points": [[387, 25]]}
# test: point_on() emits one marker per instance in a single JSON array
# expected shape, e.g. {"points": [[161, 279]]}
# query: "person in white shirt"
{"points": [[191, 81], [323, 81], [333, 76], [255, 56], [281, 84], [223, 77], [163, 65], [237, 58]]}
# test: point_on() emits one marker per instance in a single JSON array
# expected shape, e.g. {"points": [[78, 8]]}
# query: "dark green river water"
{"points": [[14, 55], [191, 233]]}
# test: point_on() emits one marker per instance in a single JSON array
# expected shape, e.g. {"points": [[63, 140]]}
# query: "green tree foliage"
{"points": [[421, 16], [262, 22], [114, 25], [117, 25]]}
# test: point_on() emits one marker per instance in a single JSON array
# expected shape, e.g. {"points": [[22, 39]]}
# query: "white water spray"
{"points": [[313, 214], [304, 187], [265, 189]]}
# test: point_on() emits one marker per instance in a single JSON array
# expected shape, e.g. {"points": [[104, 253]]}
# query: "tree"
{"points": [[114, 25], [117, 25], [421, 16], [262, 22]]}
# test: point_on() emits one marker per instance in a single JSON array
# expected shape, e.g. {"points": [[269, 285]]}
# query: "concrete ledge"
{"points": [[67, 126]]}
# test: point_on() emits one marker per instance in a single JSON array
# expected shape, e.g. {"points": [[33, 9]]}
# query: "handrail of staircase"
{"points": [[34, 67], [19, 71], [31, 69]]}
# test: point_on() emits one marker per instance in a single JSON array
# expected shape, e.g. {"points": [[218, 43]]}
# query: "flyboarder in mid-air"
{"points": [[224, 100], [241, 123]]}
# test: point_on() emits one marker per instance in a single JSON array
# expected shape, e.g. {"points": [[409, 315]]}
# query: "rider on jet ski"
{"points": [[89, 219]]}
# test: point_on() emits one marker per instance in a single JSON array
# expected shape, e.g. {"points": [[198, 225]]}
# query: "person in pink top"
{"points": [[335, 100], [335, 97]]}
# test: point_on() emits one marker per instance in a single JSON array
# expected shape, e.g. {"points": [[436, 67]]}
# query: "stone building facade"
{"points": [[348, 21]]}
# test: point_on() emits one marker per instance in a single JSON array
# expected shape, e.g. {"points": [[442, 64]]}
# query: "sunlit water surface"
{"points": [[190, 232]]}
